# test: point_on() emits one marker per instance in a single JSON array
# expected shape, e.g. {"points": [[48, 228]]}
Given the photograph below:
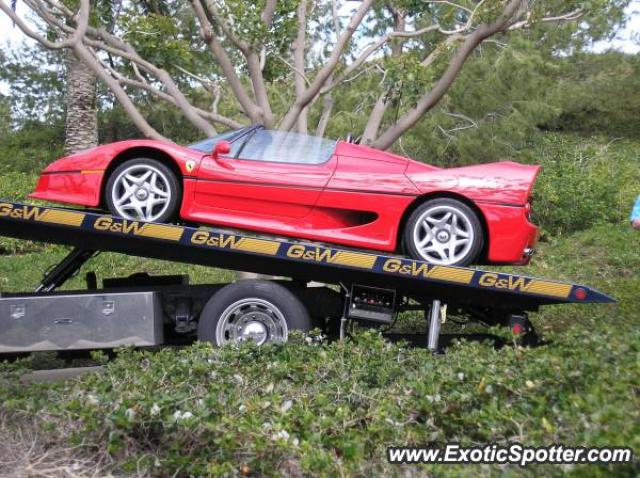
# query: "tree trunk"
{"points": [[81, 120]]}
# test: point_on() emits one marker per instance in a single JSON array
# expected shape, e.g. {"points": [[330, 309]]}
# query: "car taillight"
{"points": [[527, 210]]}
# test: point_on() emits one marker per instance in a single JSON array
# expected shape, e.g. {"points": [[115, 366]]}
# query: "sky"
{"points": [[626, 40]]}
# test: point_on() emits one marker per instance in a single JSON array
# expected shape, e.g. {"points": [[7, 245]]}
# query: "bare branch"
{"points": [[374, 47], [114, 45], [327, 108], [310, 93], [567, 17], [217, 94], [298, 62], [248, 106], [452, 4], [435, 54], [144, 85], [462, 117], [203, 81], [375, 119], [141, 123], [267, 13], [295, 70], [259, 88], [226, 28], [254, 66], [82, 21], [428, 100]]}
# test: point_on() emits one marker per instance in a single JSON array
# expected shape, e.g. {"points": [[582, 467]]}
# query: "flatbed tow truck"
{"points": [[143, 310]]}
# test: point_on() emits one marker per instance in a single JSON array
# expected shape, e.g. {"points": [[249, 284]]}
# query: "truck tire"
{"points": [[259, 310]]}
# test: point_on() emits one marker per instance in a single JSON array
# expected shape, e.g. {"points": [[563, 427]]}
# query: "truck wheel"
{"points": [[444, 231], [143, 189], [258, 310]]}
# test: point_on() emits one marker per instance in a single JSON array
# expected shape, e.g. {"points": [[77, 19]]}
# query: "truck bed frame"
{"points": [[372, 287]]}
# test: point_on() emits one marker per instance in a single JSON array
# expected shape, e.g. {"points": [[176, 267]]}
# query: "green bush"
{"points": [[584, 182], [15, 186], [30, 148], [332, 409]]}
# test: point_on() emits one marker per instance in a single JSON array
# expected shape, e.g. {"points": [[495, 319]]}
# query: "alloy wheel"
{"points": [[443, 235]]}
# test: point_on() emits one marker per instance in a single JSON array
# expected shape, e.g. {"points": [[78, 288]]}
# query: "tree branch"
{"points": [[427, 101], [267, 13], [526, 23], [373, 48], [141, 123], [298, 62], [82, 21], [251, 109], [292, 115], [114, 45], [252, 58]]}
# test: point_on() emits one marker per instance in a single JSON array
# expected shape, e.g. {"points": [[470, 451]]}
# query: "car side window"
{"points": [[286, 147]]}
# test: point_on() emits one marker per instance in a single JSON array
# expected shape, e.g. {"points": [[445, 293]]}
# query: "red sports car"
{"points": [[308, 187]]}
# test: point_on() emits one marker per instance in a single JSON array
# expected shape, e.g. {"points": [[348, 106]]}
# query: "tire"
{"points": [[263, 311], [143, 189], [444, 231]]}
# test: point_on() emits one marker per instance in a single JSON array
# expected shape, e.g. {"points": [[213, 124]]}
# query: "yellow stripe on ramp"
{"points": [[161, 231], [68, 218]]}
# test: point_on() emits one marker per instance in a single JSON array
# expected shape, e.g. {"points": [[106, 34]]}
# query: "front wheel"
{"points": [[143, 189], [444, 231], [257, 310]]}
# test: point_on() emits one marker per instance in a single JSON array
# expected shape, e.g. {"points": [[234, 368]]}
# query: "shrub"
{"points": [[584, 182]]}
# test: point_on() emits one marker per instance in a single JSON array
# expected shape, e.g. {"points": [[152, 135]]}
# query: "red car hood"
{"points": [[504, 182]]}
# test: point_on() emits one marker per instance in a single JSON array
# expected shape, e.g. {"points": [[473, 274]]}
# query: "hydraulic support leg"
{"points": [[65, 269], [344, 320], [434, 326]]}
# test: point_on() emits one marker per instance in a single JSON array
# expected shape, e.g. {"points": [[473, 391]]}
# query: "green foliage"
{"points": [[35, 76], [30, 148], [15, 186], [332, 409], [159, 39], [584, 182], [599, 93], [5, 113]]}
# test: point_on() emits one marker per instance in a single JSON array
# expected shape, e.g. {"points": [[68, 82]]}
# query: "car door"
{"points": [[272, 173]]}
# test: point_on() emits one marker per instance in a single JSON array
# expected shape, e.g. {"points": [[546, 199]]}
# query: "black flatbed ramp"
{"points": [[299, 260]]}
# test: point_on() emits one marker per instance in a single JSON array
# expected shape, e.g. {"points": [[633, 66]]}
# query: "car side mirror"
{"points": [[221, 148]]}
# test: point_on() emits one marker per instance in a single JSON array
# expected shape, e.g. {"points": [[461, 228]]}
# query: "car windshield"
{"points": [[206, 145], [259, 144]]}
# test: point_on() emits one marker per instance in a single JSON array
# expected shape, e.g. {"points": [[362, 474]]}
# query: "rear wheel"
{"points": [[258, 310], [143, 189], [444, 231]]}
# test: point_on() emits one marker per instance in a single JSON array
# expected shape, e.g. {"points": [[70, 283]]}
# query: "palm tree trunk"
{"points": [[81, 120]]}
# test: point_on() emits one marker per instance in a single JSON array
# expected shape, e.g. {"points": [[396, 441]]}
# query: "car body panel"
{"points": [[289, 190], [71, 187], [504, 182], [509, 233], [359, 197]]}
